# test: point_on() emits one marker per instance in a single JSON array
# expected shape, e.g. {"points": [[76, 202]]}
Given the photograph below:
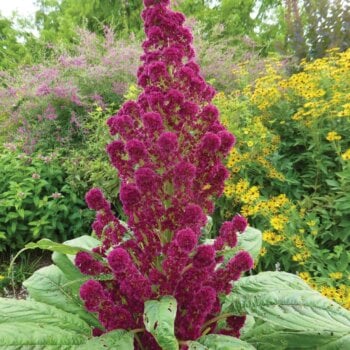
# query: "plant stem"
{"points": [[139, 341], [215, 319], [137, 330]]}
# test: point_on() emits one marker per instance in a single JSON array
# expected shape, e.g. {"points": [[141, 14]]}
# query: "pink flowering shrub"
{"points": [[46, 105], [169, 148]]}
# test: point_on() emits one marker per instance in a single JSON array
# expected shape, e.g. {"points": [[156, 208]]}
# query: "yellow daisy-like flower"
{"points": [[263, 251], [305, 276], [346, 155], [336, 275], [333, 136]]}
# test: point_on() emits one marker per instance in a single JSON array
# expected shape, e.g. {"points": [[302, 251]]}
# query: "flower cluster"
{"points": [[168, 151], [291, 121]]}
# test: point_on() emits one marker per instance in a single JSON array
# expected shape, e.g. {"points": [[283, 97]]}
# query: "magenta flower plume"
{"points": [[169, 152]]}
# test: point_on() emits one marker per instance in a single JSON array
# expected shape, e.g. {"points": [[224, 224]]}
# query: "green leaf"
{"points": [[66, 262], [118, 339], [285, 300], [268, 336], [70, 271], [207, 228], [159, 317], [220, 342], [196, 346], [29, 313], [85, 243], [31, 336], [49, 285], [251, 241], [47, 244]]}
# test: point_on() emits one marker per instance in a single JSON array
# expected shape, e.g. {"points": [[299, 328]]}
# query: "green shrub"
{"points": [[35, 200], [83, 165]]}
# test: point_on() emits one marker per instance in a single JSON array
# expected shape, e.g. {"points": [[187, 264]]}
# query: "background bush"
{"points": [[36, 201], [46, 104]]}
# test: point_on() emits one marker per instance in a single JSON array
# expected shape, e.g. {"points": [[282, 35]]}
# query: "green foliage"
{"points": [[58, 20], [24, 266], [84, 165], [36, 202], [251, 241], [289, 308], [118, 339], [219, 342], [285, 309], [45, 326], [54, 316], [291, 167], [159, 318], [12, 52]]}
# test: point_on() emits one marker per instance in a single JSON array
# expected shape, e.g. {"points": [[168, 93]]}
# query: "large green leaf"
{"points": [[251, 241], [286, 301], [220, 342], [47, 244], [118, 339], [65, 262], [70, 271], [159, 318], [268, 336], [27, 322], [83, 243], [30, 325], [49, 285], [32, 336]]}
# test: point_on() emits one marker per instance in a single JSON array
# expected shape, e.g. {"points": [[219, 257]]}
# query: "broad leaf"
{"points": [[268, 336], [118, 339], [66, 262], [194, 345], [27, 322], [32, 336], [47, 244], [70, 271], [220, 342], [84, 243], [49, 285], [286, 301], [159, 318], [251, 241]]}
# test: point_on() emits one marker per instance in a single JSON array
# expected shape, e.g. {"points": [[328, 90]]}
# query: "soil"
{"points": [[24, 266]]}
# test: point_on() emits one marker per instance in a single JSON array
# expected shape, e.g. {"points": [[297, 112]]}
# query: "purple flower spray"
{"points": [[168, 151]]}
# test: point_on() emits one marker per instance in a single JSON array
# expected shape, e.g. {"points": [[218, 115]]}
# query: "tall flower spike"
{"points": [[168, 151]]}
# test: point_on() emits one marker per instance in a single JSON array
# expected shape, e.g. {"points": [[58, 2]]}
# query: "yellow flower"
{"points": [[333, 136], [346, 155], [2, 277], [311, 223], [298, 242], [263, 251], [278, 222], [336, 275], [305, 276], [250, 143]]}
